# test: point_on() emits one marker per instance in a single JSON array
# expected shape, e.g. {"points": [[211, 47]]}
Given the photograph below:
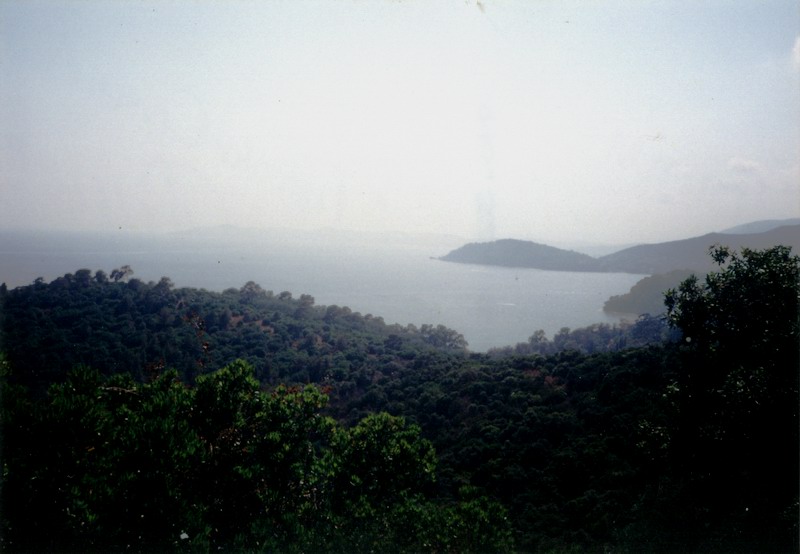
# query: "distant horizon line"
{"points": [[307, 232]]}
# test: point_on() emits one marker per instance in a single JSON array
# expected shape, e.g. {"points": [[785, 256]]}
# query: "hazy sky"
{"points": [[607, 121]]}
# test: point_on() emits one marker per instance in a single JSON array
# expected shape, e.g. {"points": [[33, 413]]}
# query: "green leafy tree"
{"points": [[443, 337], [378, 469], [264, 480], [736, 446], [106, 464], [381, 458]]}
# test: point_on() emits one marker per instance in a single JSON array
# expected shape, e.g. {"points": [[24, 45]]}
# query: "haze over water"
{"points": [[394, 278], [560, 122], [613, 121]]}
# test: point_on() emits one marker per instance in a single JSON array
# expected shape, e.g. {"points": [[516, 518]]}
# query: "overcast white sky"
{"points": [[606, 121]]}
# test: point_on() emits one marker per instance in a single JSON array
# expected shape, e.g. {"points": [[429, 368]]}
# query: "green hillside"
{"points": [[685, 254], [139, 416], [518, 253]]}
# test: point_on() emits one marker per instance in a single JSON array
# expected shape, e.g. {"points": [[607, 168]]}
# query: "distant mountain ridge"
{"points": [[686, 254], [760, 226]]}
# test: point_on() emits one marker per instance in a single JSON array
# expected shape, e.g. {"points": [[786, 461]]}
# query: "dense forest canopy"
{"points": [[140, 416]]}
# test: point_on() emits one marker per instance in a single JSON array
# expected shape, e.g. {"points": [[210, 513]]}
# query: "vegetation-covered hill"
{"points": [[338, 432], [519, 253], [692, 253], [688, 254], [647, 296], [761, 226], [120, 324]]}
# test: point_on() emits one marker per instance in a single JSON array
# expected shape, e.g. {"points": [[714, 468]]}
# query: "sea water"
{"points": [[400, 282]]}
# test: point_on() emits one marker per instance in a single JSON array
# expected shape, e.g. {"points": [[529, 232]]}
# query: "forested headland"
{"points": [[650, 259], [145, 417]]}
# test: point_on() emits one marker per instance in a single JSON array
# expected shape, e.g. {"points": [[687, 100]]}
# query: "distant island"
{"points": [[666, 263], [520, 253], [647, 259]]}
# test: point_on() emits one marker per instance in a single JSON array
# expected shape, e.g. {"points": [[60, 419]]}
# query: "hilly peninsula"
{"points": [[520, 253], [687, 254]]}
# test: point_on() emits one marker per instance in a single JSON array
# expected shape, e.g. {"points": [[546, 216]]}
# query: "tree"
{"points": [[122, 273], [285, 295], [264, 477], [109, 464], [251, 290], [83, 277], [104, 464], [750, 305], [443, 337], [304, 309], [736, 445], [381, 469], [381, 458]]}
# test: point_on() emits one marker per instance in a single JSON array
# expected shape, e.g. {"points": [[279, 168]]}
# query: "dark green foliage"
{"points": [[600, 337], [736, 396], [604, 438], [106, 464], [140, 328], [554, 439], [442, 337]]}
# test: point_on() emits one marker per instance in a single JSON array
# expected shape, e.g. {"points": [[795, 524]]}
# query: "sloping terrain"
{"points": [[693, 253], [687, 254], [520, 253]]}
